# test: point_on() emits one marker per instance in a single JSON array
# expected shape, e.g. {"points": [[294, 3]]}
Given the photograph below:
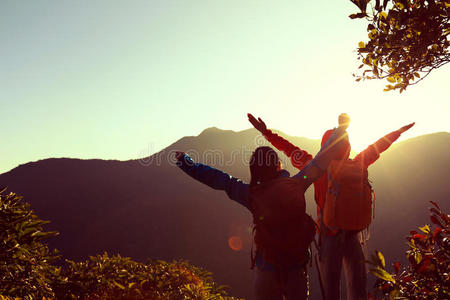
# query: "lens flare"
{"points": [[235, 243]]}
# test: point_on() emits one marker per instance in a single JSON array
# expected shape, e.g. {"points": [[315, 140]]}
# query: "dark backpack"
{"points": [[283, 231]]}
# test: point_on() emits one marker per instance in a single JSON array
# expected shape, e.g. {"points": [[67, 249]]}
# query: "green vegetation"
{"points": [[407, 40], [28, 269], [25, 270], [427, 276], [116, 277]]}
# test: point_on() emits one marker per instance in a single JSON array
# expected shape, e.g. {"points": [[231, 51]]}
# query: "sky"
{"points": [[124, 79]]}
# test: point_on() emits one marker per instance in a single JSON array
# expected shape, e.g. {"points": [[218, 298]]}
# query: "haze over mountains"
{"points": [[149, 208]]}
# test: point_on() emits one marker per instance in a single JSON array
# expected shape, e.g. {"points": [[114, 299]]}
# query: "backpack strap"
{"points": [[253, 253], [366, 236], [373, 203]]}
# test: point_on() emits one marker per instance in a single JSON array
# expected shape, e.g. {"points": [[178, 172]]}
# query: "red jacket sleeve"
{"points": [[299, 157], [372, 153]]}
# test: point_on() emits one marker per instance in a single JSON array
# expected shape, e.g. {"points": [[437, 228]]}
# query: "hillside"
{"points": [[149, 208]]}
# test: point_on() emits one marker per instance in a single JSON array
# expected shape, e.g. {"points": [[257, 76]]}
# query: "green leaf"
{"points": [[382, 274], [357, 16], [399, 5], [381, 258], [389, 87], [375, 70], [426, 229], [118, 285], [131, 284], [395, 294], [418, 257]]}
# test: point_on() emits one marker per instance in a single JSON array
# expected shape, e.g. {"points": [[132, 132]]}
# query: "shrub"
{"points": [[427, 276], [116, 277], [25, 261], [27, 269]]}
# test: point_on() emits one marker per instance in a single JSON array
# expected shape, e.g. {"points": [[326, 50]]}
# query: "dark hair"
{"points": [[264, 164]]}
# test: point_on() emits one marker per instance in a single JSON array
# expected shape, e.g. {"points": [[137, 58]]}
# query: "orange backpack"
{"points": [[348, 204], [282, 229]]}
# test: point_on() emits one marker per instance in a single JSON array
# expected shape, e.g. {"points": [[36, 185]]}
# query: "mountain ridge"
{"points": [[215, 130]]}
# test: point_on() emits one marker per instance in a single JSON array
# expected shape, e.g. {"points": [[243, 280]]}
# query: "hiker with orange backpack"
{"points": [[344, 207], [282, 229]]}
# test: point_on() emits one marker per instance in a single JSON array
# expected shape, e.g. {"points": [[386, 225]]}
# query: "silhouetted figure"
{"points": [[338, 247], [277, 203]]}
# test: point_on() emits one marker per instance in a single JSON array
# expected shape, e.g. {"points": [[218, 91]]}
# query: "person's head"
{"points": [[264, 165], [344, 120]]}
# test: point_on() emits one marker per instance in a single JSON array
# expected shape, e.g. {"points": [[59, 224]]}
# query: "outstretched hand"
{"points": [[258, 124], [404, 128], [179, 154]]}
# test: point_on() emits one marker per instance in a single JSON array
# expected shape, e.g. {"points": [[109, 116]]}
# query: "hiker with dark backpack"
{"points": [[282, 229], [344, 207]]}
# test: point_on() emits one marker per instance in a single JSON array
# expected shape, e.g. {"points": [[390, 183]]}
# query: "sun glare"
{"points": [[359, 139], [235, 243], [363, 136]]}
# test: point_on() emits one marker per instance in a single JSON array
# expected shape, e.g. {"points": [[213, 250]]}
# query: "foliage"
{"points": [[407, 40], [116, 277], [25, 269], [11, 298], [427, 276]]}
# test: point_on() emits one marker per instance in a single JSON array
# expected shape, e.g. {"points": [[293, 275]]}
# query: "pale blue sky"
{"points": [[113, 79]]}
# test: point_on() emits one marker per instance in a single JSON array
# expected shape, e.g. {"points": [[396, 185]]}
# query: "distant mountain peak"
{"points": [[214, 130]]}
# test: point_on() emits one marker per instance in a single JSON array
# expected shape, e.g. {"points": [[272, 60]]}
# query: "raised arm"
{"points": [[216, 179], [372, 153], [299, 157], [316, 167]]}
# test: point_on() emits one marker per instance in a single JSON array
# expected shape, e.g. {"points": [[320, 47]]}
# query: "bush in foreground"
{"points": [[25, 260], [116, 277], [427, 276], [27, 269]]}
